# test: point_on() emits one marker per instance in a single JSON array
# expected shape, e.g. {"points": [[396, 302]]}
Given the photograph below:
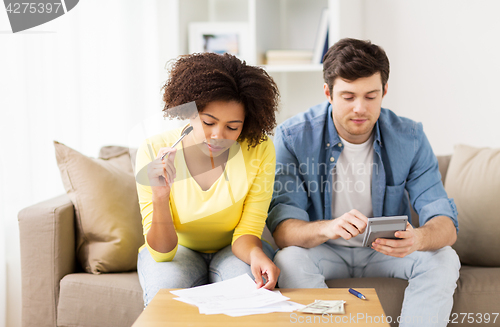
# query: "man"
{"points": [[348, 159]]}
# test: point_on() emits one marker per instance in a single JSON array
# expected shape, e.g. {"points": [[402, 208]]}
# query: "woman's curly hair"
{"points": [[207, 77]]}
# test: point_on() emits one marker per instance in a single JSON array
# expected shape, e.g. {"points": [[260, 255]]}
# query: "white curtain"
{"points": [[85, 79]]}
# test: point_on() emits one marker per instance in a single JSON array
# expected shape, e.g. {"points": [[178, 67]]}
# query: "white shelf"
{"points": [[272, 25], [293, 68]]}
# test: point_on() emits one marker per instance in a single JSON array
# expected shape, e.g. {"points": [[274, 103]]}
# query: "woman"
{"points": [[206, 204]]}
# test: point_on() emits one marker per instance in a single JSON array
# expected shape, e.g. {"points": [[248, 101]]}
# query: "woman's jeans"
{"points": [[190, 268]]}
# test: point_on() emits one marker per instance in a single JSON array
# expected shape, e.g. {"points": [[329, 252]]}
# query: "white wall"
{"points": [[445, 67]]}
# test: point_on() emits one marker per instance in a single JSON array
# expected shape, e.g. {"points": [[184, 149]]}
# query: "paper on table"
{"points": [[240, 283], [236, 296], [282, 306], [238, 292], [285, 306]]}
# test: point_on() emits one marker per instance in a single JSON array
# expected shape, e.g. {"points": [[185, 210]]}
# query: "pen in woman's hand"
{"points": [[186, 132]]}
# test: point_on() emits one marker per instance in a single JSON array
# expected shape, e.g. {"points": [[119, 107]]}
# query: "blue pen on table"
{"points": [[357, 294]]}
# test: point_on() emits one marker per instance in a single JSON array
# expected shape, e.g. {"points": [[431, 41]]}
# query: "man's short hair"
{"points": [[351, 59]]}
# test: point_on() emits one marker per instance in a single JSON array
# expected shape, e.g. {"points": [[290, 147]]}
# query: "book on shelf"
{"points": [[288, 57], [321, 44]]}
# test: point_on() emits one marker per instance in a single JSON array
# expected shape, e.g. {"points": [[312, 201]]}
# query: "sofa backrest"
{"points": [[444, 163], [473, 181]]}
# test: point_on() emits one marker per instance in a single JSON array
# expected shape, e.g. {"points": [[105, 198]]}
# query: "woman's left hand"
{"points": [[262, 266]]}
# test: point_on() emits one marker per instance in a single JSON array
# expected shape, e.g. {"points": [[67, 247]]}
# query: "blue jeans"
{"points": [[190, 268], [432, 276]]}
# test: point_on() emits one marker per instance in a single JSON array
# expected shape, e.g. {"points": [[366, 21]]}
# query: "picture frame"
{"points": [[220, 37]]}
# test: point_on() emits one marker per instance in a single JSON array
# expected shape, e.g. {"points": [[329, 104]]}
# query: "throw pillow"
{"points": [[473, 180], [108, 219]]}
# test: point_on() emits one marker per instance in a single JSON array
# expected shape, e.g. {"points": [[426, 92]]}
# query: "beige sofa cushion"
{"points": [[107, 300], [473, 180], [103, 191]]}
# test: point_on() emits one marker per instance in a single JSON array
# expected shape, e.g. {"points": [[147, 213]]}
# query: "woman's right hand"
{"points": [[161, 173]]}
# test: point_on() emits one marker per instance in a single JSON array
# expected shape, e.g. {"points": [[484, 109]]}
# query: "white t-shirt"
{"points": [[352, 184]]}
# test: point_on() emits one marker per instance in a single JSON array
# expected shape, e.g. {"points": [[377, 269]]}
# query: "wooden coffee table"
{"points": [[164, 311]]}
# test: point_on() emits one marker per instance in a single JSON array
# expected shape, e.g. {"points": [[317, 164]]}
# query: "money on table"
{"points": [[325, 307]]}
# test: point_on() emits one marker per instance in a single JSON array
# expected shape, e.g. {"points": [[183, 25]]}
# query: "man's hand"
{"points": [[347, 226], [262, 266], [410, 241], [311, 234]]}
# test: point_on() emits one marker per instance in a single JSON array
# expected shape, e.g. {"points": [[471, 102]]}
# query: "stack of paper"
{"points": [[236, 297]]}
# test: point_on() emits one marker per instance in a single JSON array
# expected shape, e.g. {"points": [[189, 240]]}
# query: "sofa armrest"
{"points": [[47, 240]]}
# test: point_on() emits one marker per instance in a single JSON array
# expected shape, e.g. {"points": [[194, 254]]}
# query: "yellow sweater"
{"points": [[206, 221]]}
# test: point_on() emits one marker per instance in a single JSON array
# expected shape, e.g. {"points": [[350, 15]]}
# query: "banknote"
{"points": [[324, 307]]}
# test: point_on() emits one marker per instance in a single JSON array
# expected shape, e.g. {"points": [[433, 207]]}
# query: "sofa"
{"points": [[57, 290]]}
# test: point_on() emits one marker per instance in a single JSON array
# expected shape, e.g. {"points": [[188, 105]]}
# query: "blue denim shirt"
{"points": [[405, 169]]}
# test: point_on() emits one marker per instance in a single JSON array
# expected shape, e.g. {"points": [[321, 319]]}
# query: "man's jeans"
{"points": [[432, 276], [190, 268]]}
